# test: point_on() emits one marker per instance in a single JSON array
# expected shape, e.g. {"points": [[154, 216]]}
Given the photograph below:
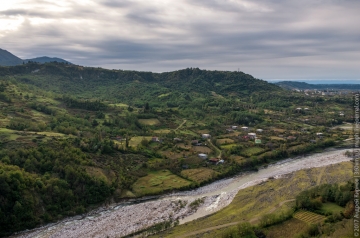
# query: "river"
{"points": [[126, 218]]}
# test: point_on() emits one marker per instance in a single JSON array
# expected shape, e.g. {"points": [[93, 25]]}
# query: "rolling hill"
{"points": [[45, 59], [8, 59], [293, 85], [135, 87]]}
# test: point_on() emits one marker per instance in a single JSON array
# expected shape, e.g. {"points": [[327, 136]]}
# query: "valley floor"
{"points": [[240, 198]]}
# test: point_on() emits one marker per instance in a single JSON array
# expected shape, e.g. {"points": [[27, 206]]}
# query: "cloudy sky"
{"points": [[269, 39]]}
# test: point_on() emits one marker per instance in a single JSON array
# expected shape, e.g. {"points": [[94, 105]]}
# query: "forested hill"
{"points": [[127, 86], [302, 86], [45, 59], [8, 59]]}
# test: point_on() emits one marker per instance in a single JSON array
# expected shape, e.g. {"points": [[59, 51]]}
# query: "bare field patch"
{"points": [[279, 130], [309, 217], [150, 122], [174, 155], [238, 159], [224, 141], [202, 149], [183, 146], [199, 175]]}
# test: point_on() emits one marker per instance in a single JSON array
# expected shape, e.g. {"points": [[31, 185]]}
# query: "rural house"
{"points": [[203, 156], [252, 135], [205, 136]]}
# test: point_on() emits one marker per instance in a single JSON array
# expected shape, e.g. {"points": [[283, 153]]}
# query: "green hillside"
{"points": [[73, 138]]}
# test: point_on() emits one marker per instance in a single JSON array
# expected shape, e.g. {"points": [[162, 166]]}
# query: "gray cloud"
{"points": [[282, 39]]}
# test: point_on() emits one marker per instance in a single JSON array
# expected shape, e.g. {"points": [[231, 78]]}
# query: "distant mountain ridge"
{"points": [[45, 59], [8, 59], [136, 87], [294, 85]]}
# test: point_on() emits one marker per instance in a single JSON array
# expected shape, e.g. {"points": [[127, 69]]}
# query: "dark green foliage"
{"points": [[84, 104], [42, 108]]}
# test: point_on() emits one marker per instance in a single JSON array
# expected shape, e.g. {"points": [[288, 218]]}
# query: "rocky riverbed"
{"points": [[123, 219]]}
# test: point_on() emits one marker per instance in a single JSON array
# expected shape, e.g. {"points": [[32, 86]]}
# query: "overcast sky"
{"points": [[269, 39]]}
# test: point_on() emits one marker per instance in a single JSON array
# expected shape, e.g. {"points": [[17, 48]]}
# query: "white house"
{"points": [[259, 130], [205, 136], [252, 135], [203, 156], [245, 128], [234, 127]]}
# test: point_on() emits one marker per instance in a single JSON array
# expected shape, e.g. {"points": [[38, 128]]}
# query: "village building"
{"points": [[259, 130], [245, 128], [177, 140], [205, 136], [214, 160], [202, 156], [234, 127], [229, 130], [155, 139], [252, 135], [194, 142]]}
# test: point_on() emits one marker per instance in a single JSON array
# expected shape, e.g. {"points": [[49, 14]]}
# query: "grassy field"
{"points": [[136, 140], [309, 217], [158, 181], [331, 208], [186, 132], [162, 131], [46, 133], [9, 134], [119, 105], [199, 175], [228, 147], [252, 151], [238, 159], [256, 201], [286, 229], [150, 122]]}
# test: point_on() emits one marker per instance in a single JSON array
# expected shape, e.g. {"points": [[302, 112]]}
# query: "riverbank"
{"points": [[118, 221]]}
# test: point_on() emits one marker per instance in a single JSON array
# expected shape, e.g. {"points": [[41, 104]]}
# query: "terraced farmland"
{"points": [[309, 217]]}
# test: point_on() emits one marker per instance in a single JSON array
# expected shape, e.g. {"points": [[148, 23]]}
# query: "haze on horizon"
{"points": [[275, 39]]}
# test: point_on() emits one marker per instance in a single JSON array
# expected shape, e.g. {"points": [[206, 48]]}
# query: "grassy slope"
{"points": [[258, 200]]}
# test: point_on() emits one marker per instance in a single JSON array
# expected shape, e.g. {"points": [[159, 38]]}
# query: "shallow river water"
{"points": [[126, 218]]}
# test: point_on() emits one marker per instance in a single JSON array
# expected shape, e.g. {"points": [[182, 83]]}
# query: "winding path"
{"points": [[216, 148], [180, 125]]}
